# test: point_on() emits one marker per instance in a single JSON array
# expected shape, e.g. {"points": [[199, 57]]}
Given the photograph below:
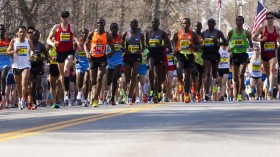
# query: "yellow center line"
{"points": [[69, 123]]}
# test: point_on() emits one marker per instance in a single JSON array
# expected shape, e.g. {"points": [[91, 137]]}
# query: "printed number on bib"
{"points": [[153, 42], [133, 48], [269, 46], [22, 51], [82, 53], [239, 42], [224, 61], [64, 37], [256, 67], [209, 42], [117, 47], [99, 49], [184, 44], [3, 50]]}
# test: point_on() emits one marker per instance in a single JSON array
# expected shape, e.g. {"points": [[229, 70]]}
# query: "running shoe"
{"points": [[193, 89], [239, 97], [187, 98], [180, 88], [55, 105], [198, 98], [155, 99], [129, 101], [95, 103], [145, 98], [29, 106]]}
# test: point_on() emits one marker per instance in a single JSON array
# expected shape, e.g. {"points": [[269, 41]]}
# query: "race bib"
{"points": [[208, 42], [117, 47], [153, 42], [64, 37], [99, 48], [170, 60], [133, 48], [184, 44], [256, 68], [82, 53], [3, 50], [224, 61], [268, 46], [239, 42], [22, 51]]}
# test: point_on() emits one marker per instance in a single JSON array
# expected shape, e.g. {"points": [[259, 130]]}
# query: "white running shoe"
{"points": [[79, 96]]}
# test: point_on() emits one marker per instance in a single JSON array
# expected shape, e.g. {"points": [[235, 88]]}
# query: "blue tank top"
{"points": [[208, 40]]}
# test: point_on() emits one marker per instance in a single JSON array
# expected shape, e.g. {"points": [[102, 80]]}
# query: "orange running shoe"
{"points": [[193, 89], [198, 98], [187, 98], [180, 88]]}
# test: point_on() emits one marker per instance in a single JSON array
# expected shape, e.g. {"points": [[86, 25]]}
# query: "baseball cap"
{"points": [[65, 14]]}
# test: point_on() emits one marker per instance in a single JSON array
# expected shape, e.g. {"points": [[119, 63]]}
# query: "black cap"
{"points": [[65, 14]]}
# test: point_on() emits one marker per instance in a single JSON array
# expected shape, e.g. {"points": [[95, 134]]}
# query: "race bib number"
{"points": [[82, 53], [117, 47], [256, 68], [133, 48], [22, 51], [99, 48], [64, 37], [268, 46], [184, 44], [3, 50], [153, 42], [239, 42], [170, 60], [208, 42], [224, 61]]}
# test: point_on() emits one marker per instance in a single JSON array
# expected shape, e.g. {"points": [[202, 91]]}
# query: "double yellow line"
{"points": [[72, 122]]}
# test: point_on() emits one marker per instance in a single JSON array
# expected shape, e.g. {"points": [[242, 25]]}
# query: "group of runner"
{"points": [[96, 67]]}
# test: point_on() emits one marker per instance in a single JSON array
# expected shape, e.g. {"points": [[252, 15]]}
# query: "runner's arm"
{"points": [[10, 50], [249, 37], [257, 33], [88, 41], [51, 35]]}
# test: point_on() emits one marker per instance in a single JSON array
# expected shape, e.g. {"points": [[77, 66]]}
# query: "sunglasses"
{"points": [[271, 18], [30, 32], [256, 49], [64, 17]]}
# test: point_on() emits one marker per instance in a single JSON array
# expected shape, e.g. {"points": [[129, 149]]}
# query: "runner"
{"points": [[82, 69], [198, 63], [20, 49], [239, 40], [36, 71], [156, 40], [255, 73], [5, 62], [185, 43], [114, 63], [211, 55], [223, 71], [98, 57], [133, 42], [64, 34], [269, 35]]}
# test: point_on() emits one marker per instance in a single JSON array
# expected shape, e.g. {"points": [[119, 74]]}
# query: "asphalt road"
{"points": [[249, 129]]}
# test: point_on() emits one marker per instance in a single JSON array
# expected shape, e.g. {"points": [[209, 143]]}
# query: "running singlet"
{"points": [[224, 61], [4, 59], [21, 59], [208, 41], [133, 41], [65, 39], [238, 42], [52, 53], [98, 44], [155, 39], [270, 45], [255, 68], [117, 56], [184, 42], [198, 53], [81, 53]]}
